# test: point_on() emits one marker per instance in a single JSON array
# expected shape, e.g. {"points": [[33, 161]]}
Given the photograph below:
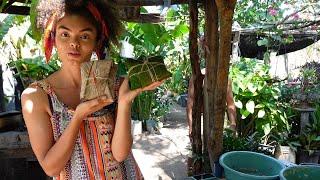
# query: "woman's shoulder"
{"points": [[37, 89], [34, 90]]}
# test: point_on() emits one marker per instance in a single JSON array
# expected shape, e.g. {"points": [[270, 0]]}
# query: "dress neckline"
{"points": [[70, 109]]}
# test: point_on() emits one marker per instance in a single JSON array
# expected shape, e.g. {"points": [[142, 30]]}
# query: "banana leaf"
{"points": [[146, 70]]}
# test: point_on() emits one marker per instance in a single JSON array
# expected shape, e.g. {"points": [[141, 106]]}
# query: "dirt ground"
{"points": [[164, 156]]}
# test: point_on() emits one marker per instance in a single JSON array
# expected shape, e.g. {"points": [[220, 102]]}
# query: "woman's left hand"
{"points": [[127, 96]]}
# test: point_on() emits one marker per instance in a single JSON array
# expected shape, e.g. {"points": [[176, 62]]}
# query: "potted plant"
{"points": [[286, 147], [310, 140], [307, 94]]}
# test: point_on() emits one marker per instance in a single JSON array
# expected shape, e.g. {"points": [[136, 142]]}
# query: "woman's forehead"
{"points": [[75, 22]]}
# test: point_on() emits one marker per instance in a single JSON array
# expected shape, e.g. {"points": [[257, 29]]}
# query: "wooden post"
{"points": [[211, 54], [196, 142], [225, 13]]}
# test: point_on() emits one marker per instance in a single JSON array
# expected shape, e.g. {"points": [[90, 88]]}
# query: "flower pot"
{"points": [[218, 170], [305, 157], [136, 127], [285, 153], [246, 165], [305, 172]]}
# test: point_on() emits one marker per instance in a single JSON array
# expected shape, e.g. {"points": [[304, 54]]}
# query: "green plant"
{"points": [[32, 69], [250, 143], [256, 99], [307, 93], [142, 106], [161, 105], [310, 136], [286, 139]]}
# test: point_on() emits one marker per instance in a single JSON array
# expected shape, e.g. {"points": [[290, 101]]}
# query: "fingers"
{"points": [[153, 85]]}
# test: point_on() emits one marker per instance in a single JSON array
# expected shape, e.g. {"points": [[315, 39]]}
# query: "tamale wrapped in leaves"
{"points": [[144, 71], [97, 79]]}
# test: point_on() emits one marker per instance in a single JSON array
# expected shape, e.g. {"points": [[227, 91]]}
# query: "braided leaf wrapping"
{"points": [[144, 71]]}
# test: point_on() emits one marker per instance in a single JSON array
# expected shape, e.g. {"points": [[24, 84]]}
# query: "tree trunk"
{"points": [[225, 12], [196, 142], [211, 54], [2, 105]]}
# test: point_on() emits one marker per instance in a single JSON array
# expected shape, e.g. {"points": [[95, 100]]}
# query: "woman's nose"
{"points": [[75, 44]]}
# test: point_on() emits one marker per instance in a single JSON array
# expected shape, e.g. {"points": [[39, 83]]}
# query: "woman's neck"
{"points": [[71, 76]]}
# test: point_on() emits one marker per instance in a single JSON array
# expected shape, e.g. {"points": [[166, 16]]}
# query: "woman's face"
{"points": [[75, 38]]}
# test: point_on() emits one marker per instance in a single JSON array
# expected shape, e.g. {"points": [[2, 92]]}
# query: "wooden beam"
{"points": [[136, 2], [20, 10], [144, 18], [150, 2]]}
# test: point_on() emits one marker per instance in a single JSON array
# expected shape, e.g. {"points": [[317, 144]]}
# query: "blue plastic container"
{"points": [[303, 172], [246, 165]]}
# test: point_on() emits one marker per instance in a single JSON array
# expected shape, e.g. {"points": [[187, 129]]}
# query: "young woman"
{"points": [[66, 144]]}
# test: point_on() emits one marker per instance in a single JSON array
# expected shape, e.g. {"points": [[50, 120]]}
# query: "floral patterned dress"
{"points": [[92, 156]]}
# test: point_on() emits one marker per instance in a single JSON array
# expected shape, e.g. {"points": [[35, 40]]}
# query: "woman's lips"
{"points": [[74, 54]]}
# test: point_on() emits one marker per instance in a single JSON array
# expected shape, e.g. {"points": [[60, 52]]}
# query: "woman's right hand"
{"points": [[84, 109]]}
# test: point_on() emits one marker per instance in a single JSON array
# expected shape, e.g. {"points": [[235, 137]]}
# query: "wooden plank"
{"points": [[14, 144], [17, 153], [14, 140]]}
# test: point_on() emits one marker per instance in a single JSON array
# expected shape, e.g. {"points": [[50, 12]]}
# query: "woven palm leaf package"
{"points": [[144, 71], [97, 79]]}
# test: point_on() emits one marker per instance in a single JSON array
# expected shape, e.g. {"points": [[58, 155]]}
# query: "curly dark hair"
{"points": [[42, 10]]}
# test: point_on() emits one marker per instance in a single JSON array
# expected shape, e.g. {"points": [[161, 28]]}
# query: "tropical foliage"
{"points": [[256, 98]]}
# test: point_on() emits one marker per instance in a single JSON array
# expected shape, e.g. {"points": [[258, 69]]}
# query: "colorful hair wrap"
{"points": [[48, 39], [104, 30], [49, 32]]}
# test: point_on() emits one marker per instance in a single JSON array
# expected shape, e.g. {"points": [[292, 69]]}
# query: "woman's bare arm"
{"points": [[51, 155], [122, 139]]}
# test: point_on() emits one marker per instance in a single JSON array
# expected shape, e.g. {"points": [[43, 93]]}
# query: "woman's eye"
{"points": [[64, 35], [84, 37]]}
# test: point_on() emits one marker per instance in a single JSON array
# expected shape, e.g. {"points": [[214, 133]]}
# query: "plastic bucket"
{"points": [[304, 172], [246, 165]]}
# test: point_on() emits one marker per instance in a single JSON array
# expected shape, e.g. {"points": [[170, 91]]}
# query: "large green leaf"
{"points": [[244, 113], [250, 106], [261, 113], [180, 30], [238, 104], [7, 23]]}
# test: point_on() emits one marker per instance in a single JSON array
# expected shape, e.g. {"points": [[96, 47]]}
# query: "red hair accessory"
{"points": [[48, 39], [95, 12]]}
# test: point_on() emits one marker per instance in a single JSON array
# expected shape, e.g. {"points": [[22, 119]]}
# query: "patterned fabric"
{"points": [[92, 157]]}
